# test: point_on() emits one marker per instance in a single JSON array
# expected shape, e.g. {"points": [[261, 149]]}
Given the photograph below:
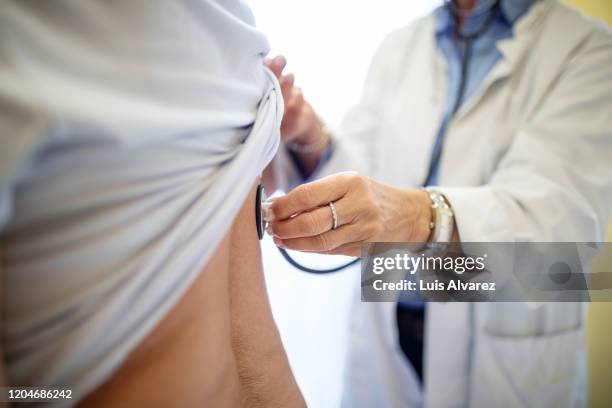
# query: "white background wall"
{"points": [[329, 44]]}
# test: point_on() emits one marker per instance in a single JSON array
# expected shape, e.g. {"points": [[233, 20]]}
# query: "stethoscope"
{"points": [[488, 7], [260, 205], [468, 39]]}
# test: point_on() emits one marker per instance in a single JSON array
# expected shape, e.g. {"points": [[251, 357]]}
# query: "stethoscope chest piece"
{"points": [[259, 208]]}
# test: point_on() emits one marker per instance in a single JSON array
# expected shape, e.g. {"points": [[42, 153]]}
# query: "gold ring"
{"points": [[334, 215]]}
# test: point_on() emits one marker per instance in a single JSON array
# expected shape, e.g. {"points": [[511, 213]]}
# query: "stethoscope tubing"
{"points": [[303, 268], [468, 40]]}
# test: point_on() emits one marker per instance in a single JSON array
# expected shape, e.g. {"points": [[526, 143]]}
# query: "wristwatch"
{"points": [[444, 220]]}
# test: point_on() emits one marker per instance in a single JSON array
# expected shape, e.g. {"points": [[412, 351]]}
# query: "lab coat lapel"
{"points": [[413, 116], [445, 353], [422, 138], [547, 63]]}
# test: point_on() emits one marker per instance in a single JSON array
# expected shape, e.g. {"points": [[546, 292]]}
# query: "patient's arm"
{"points": [[263, 367]]}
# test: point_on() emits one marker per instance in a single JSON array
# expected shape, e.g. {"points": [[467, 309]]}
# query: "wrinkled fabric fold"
{"points": [[115, 210]]}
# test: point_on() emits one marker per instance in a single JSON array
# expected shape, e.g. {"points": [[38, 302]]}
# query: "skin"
{"points": [[300, 122], [466, 5], [219, 346], [232, 356], [368, 211]]}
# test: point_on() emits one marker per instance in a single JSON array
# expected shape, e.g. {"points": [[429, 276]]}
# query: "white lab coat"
{"points": [[527, 158]]}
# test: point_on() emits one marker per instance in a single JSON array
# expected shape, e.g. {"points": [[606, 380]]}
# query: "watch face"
{"points": [[259, 219]]}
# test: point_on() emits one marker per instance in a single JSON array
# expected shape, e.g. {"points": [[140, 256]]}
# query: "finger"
{"points": [[286, 83], [321, 243], [311, 223], [352, 249], [276, 65], [294, 109], [309, 196], [296, 99], [294, 104], [297, 121]]}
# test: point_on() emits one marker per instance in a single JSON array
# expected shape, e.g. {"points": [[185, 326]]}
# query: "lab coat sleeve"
{"points": [[353, 141], [554, 184]]}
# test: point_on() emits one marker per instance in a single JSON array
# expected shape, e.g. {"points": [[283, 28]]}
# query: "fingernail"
{"points": [[268, 213], [269, 229]]}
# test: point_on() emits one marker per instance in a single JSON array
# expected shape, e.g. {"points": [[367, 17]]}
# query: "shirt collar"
{"points": [[510, 11], [513, 9]]}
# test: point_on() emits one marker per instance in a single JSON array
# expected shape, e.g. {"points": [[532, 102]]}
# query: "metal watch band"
{"points": [[444, 219]]}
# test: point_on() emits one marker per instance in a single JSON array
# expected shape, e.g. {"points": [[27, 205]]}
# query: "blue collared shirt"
{"points": [[484, 55]]}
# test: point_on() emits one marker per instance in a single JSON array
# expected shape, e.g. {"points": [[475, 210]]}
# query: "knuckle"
{"points": [[323, 242], [304, 195], [368, 207], [309, 223], [316, 224], [353, 178], [359, 184]]}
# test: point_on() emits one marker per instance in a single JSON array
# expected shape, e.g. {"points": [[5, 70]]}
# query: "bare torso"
{"points": [[218, 346]]}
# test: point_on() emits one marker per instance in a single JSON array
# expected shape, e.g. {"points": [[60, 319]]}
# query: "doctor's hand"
{"points": [[302, 131], [300, 123], [367, 211]]}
